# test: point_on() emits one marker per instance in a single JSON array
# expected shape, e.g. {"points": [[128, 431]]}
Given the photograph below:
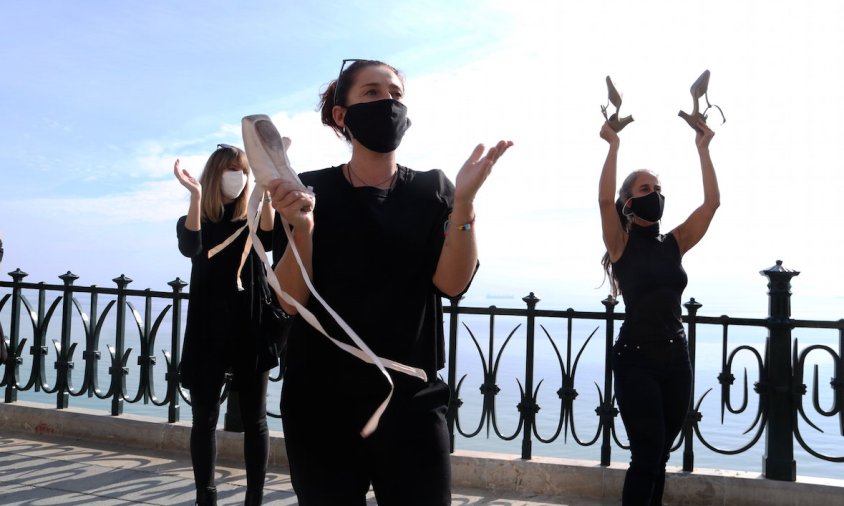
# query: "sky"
{"points": [[98, 99]]}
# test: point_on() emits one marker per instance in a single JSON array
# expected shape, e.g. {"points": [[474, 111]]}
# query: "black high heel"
{"points": [[700, 89], [615, 122]]}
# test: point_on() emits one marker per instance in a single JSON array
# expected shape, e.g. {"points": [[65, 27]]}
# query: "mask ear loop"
{"points": [[625, 208]]}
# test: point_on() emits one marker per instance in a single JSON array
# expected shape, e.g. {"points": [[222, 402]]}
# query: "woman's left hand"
{"points": [[476, 169]]}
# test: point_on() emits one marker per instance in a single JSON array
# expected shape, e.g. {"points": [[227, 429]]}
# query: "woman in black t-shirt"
{"points": [[381, 244], [221, 333], [650, 359]]}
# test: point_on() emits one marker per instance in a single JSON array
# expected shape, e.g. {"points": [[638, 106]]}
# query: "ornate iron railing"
{"points": [[779, 388]]}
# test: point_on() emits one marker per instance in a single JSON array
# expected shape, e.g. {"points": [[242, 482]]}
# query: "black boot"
{"points": [[206, 497], [253, 497]]}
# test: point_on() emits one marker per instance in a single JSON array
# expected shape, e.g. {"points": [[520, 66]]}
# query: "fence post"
{"points": [[453, 402], [528, 407], [14, 360], [118, 369], [172, 376], [692, 417], [778, 462], [606, 411], [63, 363]]}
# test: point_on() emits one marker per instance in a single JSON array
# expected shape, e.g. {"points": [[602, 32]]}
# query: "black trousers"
{"points": [[653, 383], [205, 401], [406, 460]]}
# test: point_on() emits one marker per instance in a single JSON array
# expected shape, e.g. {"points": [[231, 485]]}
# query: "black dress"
{"points": [[222, 320]]}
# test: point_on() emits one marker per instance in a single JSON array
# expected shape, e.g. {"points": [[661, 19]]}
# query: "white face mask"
{"points": [[233, 183]]}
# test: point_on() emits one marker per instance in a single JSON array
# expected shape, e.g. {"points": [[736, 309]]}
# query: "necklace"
{"points": [[376, 185]]}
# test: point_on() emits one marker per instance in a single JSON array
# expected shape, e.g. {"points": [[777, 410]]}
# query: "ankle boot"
{"points": [[254, 497], [206, 497]]}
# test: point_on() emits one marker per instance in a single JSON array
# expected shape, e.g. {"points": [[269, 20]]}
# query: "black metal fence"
{"points": [[779, 391]]}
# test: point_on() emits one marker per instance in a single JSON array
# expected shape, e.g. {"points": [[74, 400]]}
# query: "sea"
{"points": [[730, 435]]}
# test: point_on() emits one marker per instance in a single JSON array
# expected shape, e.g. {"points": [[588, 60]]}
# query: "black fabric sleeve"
{"points": [[279, 239], [266, 238], [190, 241]]}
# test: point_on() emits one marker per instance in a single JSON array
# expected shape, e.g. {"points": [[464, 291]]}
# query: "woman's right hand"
{"points": [[187, 180], [294, 204], [609, 135]]}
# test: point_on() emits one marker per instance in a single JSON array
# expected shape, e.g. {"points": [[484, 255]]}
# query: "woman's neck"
{"points": [[369, 168], [643, 223]]}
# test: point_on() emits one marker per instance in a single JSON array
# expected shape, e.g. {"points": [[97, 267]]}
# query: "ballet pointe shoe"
{"points": [[615, 122], [700, 89], [266, 150]]}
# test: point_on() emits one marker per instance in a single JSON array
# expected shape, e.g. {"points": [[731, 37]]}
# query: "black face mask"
{"points": [[378, 125], [648, 207]]}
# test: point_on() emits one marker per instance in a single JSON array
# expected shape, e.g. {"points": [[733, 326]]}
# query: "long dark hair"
{"points": [[624, 194], [342, 85]]}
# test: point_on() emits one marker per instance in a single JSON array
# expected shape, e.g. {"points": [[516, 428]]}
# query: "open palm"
{"points": [[188, 181], [476, 169]]}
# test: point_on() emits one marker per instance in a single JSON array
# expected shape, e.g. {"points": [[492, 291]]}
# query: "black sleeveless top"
{"points": [[652, 281]]}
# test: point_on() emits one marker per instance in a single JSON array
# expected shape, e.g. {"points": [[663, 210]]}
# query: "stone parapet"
{"points": [[494, 472]]}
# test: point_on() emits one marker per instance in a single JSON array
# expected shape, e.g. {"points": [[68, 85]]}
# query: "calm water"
{"points": [[727, 435]]}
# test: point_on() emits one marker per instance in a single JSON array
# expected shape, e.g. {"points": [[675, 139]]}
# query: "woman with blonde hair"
{"points": [[222, 334]]}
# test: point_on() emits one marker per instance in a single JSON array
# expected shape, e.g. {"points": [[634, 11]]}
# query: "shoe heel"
{"points": [[618, 124], [689, 118]]}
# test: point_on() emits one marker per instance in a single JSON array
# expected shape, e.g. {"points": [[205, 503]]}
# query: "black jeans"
{"points": [[205, 403], [653, 382], [406, 460]]}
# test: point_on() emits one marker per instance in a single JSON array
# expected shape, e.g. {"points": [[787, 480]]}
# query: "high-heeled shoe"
{"points": [[700, 89], [616, 123]]}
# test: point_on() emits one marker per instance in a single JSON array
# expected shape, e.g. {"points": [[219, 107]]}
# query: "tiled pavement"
{"points": [[36, 470]]}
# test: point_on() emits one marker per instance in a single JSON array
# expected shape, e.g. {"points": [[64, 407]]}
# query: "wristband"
{"points": [[464, 227]]}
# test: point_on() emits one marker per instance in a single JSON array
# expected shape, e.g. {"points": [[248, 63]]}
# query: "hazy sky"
{"points": [[99, 98]]}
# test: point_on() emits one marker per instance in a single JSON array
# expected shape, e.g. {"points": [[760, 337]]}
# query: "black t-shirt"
{"points": [[374, 257], [652, 280]]}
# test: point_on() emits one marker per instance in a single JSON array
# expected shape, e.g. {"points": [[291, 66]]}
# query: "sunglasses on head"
{"points": [[342, 67], [227, 146]]}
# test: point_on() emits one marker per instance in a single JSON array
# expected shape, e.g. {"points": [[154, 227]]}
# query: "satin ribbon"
{"points": [[220, 247], [361, 350]]}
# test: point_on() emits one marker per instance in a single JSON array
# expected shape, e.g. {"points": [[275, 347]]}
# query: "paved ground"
{"points": [[51, 471]]}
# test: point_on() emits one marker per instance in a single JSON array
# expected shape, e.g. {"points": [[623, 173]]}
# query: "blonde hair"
{"points": [[211, 178]]}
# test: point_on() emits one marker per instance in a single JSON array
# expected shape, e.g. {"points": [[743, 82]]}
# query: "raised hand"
{"points": [[188, 181], [608, 134], [475, 171], [703, 134]]}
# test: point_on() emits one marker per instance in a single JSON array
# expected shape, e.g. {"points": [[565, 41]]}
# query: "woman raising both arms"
{"points": [[650, 359]]}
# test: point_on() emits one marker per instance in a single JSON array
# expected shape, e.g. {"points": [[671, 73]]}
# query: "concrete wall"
{"points": [[489, 471]]}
